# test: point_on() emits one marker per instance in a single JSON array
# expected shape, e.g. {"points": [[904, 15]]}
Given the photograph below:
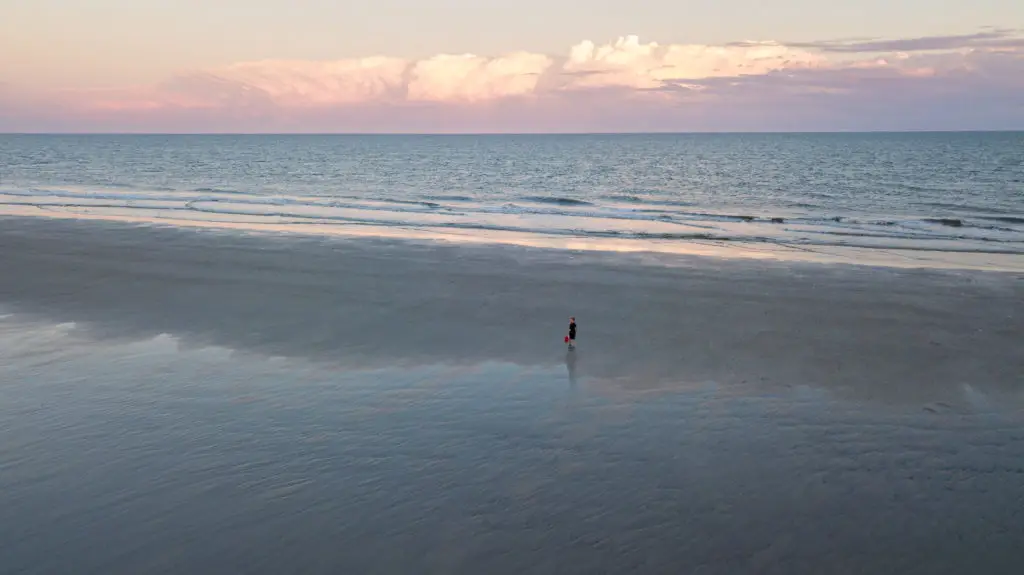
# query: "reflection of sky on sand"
{"points": [[107, 365], [777, 250], [160, 446], [570, 364], [647, 328]]}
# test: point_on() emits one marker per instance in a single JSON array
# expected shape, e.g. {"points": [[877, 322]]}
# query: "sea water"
{"points": [[946, 192]]}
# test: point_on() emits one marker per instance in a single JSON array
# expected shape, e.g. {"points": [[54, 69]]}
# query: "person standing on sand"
{"points": [[572, 332]]}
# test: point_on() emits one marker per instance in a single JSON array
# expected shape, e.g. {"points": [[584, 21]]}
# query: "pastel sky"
{"points": [[509, 66]]}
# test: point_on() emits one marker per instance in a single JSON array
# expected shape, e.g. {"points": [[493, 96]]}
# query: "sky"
{"points": [[503, 66]]}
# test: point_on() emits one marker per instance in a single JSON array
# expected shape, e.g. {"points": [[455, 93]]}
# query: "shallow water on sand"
{"points": [[156, 457]]}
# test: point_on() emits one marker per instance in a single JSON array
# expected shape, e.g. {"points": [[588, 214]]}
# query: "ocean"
{"points": [[797, 354], [916, 192]]}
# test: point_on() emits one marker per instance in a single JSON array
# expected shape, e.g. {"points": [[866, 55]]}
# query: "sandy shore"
{"points": [[198, 401], [646, 320]]}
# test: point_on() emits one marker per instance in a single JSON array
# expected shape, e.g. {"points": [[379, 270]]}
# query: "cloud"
{"points": [[992, 38], [625, 84], [452, 78], [300, 83], [629, 63], [471, 78], [971, 91]]}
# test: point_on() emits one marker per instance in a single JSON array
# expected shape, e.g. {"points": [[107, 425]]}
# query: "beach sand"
{"points": [[645, 321], [272, 403]]}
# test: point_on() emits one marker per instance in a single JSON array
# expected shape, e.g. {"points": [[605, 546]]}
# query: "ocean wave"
{"points": [[554, 216], [218, 191], [799, 241], [961, 207], [449, 198], [668, 203], [917, 188], [1005, 219], [623, 198], [908, 236], [913, 225], [411, 203], [596, 212], [556, 200], [855, 221], [951, 222], [968, 224]]}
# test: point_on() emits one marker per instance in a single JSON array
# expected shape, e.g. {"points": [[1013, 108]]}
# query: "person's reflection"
{"points": [[570, 364]]}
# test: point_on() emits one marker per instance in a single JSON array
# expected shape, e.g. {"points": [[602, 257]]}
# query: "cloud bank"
{"points": [[970, 81]]}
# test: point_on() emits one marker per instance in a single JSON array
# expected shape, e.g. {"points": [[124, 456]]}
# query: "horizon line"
{"points": [[567, 133]]}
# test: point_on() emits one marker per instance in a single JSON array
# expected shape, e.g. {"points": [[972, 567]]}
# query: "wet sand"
{"points": [[645, 320], [265, 404]]}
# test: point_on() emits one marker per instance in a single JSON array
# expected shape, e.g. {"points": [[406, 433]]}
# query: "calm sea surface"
{"points": [[959, 192]]}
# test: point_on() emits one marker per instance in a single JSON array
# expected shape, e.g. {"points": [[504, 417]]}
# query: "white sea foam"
{"points": [[637, 219]]}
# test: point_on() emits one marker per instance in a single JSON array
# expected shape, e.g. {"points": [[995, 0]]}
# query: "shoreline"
{"points": [[889, 257]]}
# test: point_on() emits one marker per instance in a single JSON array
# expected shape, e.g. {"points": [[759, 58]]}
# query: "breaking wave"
{"points": [[615, 217]]}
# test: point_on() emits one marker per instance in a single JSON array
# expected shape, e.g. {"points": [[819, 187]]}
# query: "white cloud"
{"points": [[474, 78], [630, 64]]}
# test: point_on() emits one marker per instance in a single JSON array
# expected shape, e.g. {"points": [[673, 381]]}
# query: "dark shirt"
{"points": [[572, 330]]}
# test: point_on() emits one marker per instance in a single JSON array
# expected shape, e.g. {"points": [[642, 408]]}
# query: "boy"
{"points": [[572, 332]]}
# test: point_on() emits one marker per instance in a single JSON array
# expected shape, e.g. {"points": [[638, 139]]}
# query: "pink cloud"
{"points": [[630, 63], [470, 78], [625, 85], [339, 82]]}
